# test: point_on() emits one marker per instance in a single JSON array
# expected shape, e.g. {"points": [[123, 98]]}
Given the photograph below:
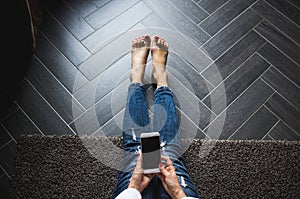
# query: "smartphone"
{"points": [[151, 155]]}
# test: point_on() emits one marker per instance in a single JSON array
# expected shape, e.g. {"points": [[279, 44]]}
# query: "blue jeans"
{"points": [[165, 121]]}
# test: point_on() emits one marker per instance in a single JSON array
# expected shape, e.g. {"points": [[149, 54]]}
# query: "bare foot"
{"points": [[159, 53], [139, 54]]}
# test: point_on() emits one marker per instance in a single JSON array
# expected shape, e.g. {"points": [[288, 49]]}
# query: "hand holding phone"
{"points": [[139, 180], [151, 155]]}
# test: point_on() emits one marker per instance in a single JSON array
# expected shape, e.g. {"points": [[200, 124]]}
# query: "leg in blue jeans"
{"points": [[135, 122], [166, 122]]}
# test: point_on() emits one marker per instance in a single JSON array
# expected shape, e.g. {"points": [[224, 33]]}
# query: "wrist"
{"points": [[179, 193], [134, 187]]}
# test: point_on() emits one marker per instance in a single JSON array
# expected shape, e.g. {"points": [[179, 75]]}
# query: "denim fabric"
{"points": [[165, 121]]}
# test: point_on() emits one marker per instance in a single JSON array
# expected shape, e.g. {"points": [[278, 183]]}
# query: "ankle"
{"points": [[160, 78], [137, 74]]}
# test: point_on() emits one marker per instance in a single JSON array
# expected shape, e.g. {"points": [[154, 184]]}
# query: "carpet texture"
{"points": [[63, 167]]}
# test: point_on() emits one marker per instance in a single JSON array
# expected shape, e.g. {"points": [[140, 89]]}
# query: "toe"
{"points": [[166, 44], [144, 40], [139, 42], [155, 39], [134, 43], [147, 37], [142, 44], [147, 40], [160, 42]]}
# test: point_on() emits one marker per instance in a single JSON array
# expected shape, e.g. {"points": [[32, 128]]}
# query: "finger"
{"points": [[168, 161], [160, 176], [139, 161], [170, 168], [162, 169], [149, 175]]}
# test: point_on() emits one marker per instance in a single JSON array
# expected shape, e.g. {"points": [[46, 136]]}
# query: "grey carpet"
{"points": [[62, 167]]}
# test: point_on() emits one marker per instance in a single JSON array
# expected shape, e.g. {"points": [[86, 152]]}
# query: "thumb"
{"points": [[162, 169], [139, 162]]}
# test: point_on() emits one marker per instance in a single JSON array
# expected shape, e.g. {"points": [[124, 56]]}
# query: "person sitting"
{"points": [[173, 180]]}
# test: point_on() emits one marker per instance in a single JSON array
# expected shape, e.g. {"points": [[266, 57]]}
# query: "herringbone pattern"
{"points": [[234, 71]]}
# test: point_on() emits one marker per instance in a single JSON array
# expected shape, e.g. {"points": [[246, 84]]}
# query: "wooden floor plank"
{"points": [[233, 58], [276, 38], [119, 25], [108, 12], [285, 111], [281, 62], [109, 54], [101, 112], [84, 8], [211, 5], [40, 112], [179, 21], [100, 3], [296, 3], [239, 111], [184, 47], [7, 157], [287, 9], [236, 83], [190, 9], [224, 15], [71, 20], [190, 104], [104, 83], [263, 120], [64, 40], [185, 73], [45, 83], [59, 65], [4, 184], [283, 132], [278, 20], [231, 34], [283, 86], [19, 124], [4, 136]]}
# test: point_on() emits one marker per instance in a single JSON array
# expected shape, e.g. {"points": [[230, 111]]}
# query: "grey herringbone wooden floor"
{"points": [[77, 80]]}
